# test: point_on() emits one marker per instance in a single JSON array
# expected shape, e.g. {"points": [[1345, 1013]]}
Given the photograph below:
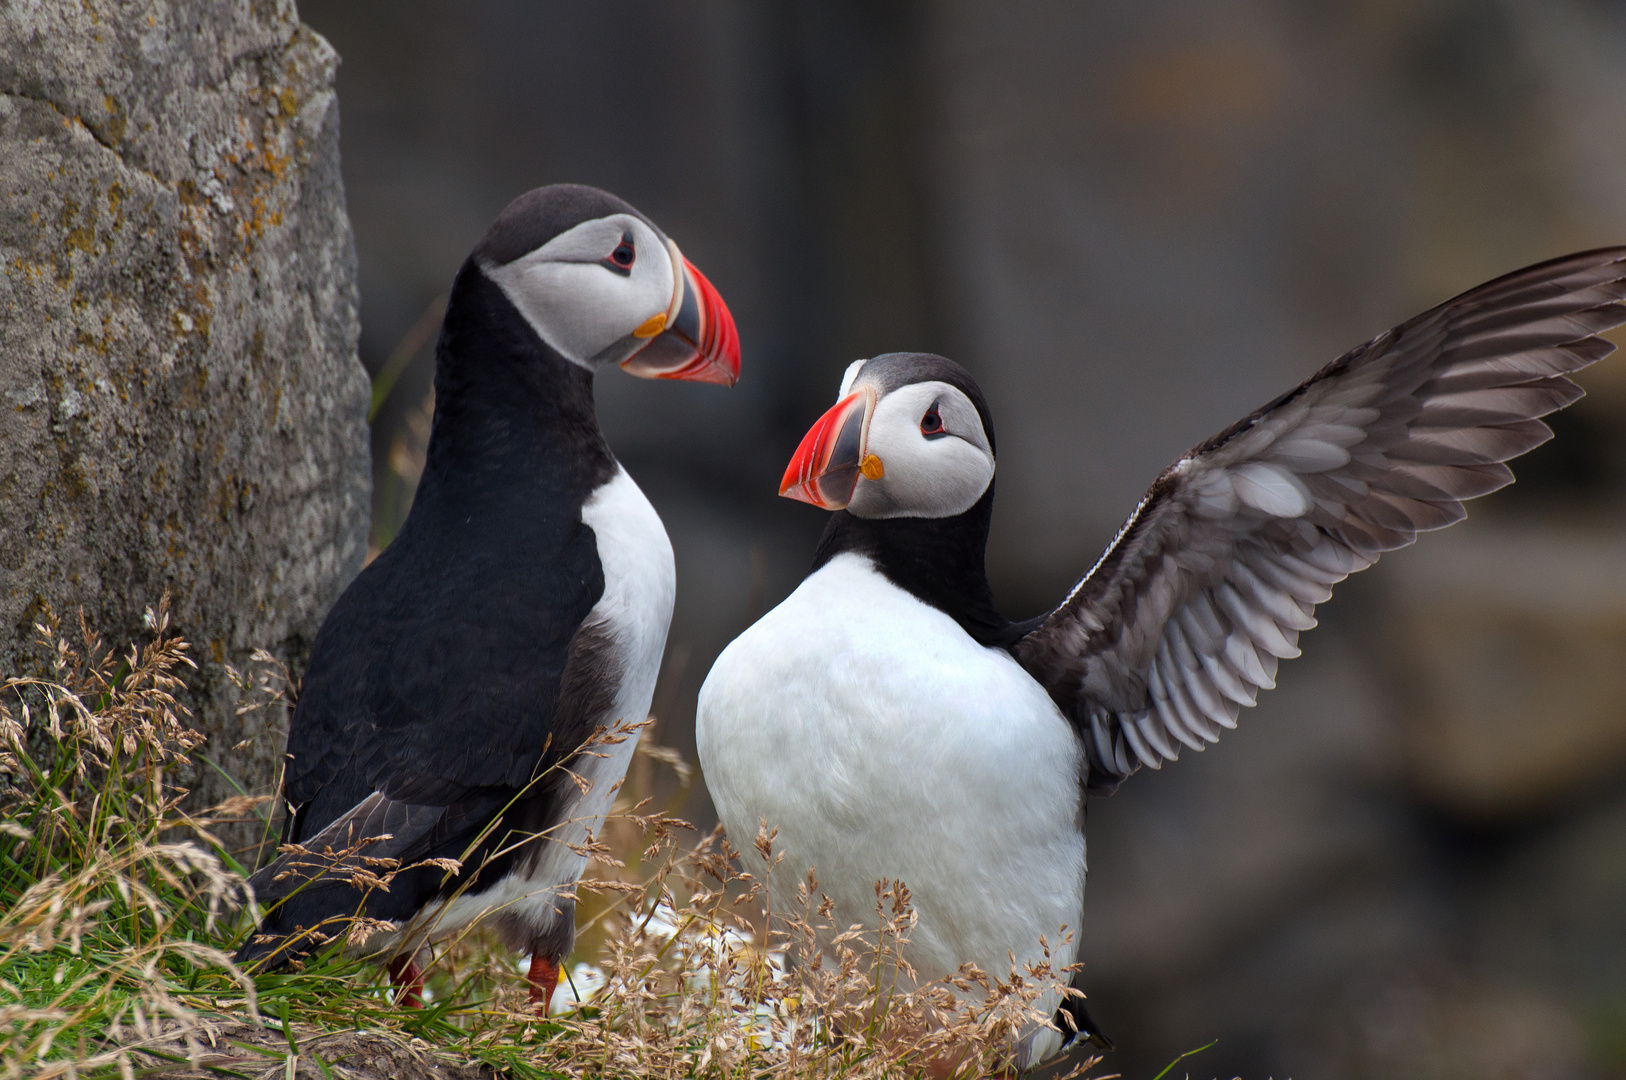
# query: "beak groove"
{"points": [[698, 341], [826, 466]]}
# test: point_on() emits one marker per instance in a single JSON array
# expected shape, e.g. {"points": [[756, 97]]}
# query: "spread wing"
{"points": [[1220, 567]]}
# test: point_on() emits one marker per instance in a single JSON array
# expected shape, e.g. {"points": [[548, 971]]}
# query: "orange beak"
{"points": [[696, 341], [827, 465]]}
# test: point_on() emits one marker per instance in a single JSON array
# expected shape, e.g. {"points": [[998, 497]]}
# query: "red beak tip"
{"points": [[721, 346]]}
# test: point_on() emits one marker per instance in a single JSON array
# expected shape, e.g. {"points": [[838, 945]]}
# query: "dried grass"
{"points": [[114, 898], [121, 911]]}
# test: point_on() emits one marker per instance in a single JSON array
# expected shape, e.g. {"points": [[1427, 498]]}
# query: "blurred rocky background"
{"points": [[1133, 222]]}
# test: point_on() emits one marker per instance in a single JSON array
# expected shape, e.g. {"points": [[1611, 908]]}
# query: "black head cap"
{"points": [[543, 213], [889, 371]]}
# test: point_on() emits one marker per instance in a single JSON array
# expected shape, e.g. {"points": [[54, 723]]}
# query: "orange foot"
{"points": [[409, 977], [544, 979]]}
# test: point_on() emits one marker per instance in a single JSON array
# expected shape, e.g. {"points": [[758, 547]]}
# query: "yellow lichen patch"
{"points": [[80, 238], [254, 227], [75, 480], [235, 495], [288, 101], [87, 340], [203, 310], [276, 164], [32, 270], [116, 119]]}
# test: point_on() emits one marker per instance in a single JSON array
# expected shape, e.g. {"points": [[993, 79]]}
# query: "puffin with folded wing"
{"points": [[466, 715]]}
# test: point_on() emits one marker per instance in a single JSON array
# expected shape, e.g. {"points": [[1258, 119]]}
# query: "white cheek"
{"points": [[557, 300], [581, 308], [923, 478]]}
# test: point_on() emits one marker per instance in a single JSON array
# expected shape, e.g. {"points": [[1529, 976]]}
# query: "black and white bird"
{"points": [[522, 607], [890, 723]]}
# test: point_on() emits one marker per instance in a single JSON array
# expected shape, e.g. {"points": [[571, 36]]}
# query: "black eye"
{"points": [[931, 424], [624, 255]]}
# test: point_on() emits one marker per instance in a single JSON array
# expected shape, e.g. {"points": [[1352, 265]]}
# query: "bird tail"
{"points": [[1075, 1020], [265, 951], [293, 927], [368, 863], [312, 892]]}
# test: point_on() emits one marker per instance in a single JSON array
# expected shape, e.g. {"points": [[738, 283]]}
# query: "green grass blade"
{"points": [[1181, 1058]]}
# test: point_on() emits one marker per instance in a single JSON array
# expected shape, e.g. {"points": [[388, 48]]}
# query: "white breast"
{"points": [[883, 741], [640, 584]]}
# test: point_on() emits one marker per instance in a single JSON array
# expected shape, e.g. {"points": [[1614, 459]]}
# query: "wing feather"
{"points": [[1207, 586]]}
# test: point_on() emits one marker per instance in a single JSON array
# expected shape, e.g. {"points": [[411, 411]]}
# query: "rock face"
{"points": [[181, 406]]}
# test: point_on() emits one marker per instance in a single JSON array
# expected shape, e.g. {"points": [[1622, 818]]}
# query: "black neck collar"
{"points": [[939, 561]]}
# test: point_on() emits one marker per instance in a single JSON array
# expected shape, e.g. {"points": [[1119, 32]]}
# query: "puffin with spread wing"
{"points": [[890, 723], [465, 717]]}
